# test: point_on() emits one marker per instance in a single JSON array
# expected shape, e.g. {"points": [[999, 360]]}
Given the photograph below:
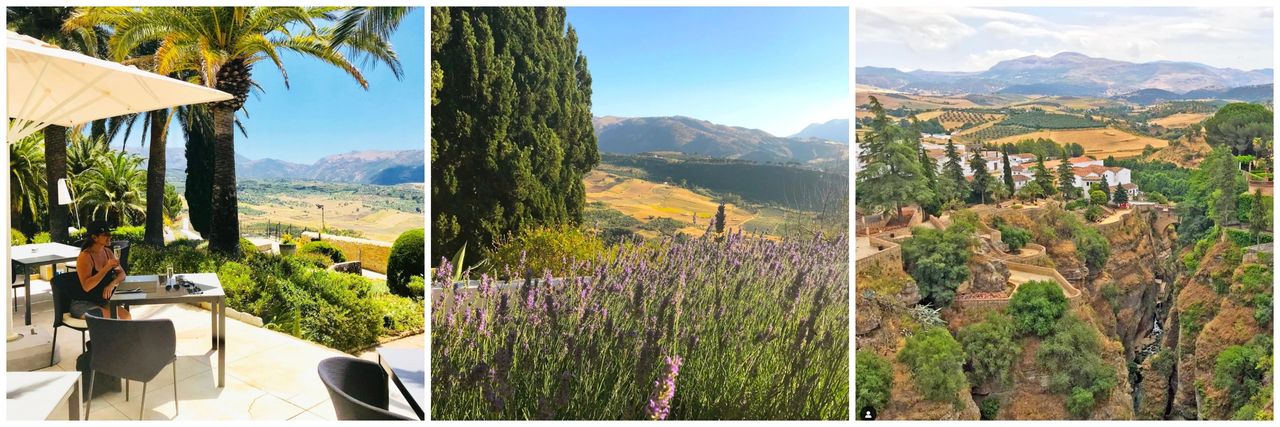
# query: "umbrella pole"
{"points": [[10, 335]]}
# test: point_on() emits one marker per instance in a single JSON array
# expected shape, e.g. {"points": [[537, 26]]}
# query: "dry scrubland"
{"points": [[1099, 143], [646, 200], [1180, 120]]}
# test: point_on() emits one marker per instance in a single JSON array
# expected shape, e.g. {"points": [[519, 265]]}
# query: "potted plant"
{"points": [[288, 246]]}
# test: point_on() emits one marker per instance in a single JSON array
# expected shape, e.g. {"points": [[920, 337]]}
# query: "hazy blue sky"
{"points": [[325, 111], [772, 68], [972, 39]]}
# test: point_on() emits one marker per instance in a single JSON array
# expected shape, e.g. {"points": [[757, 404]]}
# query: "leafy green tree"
{"points": [[981, 177], [1066, 181], [1094, 213], [1236, 125], [937, 363], [930, 202], [1225, 186], [991, 349], [938, 261], [892, 175], [874, 380], [953, 175], [1092, 248], [1015, 237], [511, 132], [1258, 216], [1241, 371], [1097, 197], [1031, 191], [172, 202], [1008, 170], [1072, 355], [1036, 307]]}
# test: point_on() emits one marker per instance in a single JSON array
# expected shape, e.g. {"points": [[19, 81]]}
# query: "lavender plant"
{"points": [[738, 327]]}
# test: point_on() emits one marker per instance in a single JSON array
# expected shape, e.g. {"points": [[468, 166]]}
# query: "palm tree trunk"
{"points": [[224, 232], [55, 157], [154, 234]]}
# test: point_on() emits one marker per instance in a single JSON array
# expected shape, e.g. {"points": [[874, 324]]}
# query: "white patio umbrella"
{"points": [[52, 86], [46, 86]]}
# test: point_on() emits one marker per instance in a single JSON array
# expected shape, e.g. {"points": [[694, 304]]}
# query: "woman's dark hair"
{"points": [[93, 230]]}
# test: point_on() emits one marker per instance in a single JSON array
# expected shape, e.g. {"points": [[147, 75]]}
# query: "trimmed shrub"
{"points": [[407, 260], [1036, 307], [1015, 237], [42, 237], [324, 248]]}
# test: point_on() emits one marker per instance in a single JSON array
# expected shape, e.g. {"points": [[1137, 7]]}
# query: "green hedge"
{"points": [[324, 248], [293, 295]]}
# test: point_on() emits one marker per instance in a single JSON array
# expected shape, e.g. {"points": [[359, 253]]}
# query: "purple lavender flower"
{"points": [[664, 390]]}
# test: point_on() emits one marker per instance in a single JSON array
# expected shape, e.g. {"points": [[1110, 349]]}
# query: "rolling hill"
{"points": [[1068, 74], [632, 135], [832, 130], [365, 167]]}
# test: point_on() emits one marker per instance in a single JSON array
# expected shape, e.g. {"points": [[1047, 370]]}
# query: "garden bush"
{"points": [[989, 408], [407, 259], [761, 327], [937, 363], [1092, 248], [324, 248], [16, 238], [1015, 237], [292, 295], [1073, 356], [1036, 307], [42, 237], [938, 260], [543, 249], [874, 380], [991, 349]]}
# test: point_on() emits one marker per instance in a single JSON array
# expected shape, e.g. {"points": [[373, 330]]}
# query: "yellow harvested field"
{"points": [[645, 200], [380, 224], [919, 102], [929, 115], [1099, 143], [1180, 120]]}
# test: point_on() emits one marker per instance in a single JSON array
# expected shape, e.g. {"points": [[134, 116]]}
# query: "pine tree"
{"points": [[511, 132], [1008, 170], [955, 186], [1066, 181], [1043, 178], [981, 177], [891, 176], [1121, 196]]}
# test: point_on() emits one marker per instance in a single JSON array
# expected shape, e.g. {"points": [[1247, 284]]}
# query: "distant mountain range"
{"points": [[630, 135], [367, 167], [1069, 74], [832, 130]]}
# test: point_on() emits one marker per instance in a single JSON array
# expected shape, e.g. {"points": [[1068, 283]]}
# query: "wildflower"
{"points": [[664, 390]]}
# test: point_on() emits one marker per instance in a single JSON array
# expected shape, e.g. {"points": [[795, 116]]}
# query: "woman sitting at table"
{"points": [[100, 273]]}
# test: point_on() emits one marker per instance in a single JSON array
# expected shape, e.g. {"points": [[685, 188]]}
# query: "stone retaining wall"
{"points": [[888, 258]]}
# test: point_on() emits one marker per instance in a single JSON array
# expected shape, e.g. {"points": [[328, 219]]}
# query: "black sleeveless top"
{"points": [[93, 295]]}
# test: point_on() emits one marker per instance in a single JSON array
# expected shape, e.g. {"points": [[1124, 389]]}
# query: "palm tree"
{"points": [[113, 188], [27, 181], [45, 23], [83, 154], [220, 45]]}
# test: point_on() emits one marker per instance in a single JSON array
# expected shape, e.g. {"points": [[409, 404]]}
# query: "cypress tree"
{"points": [[1008, 170], [511, 131], [1043, 178], [1121, 197], [197, 128], [1257, 216], [981, 178], [720, 219]]}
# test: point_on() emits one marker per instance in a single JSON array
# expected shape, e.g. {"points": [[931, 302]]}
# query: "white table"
{"points": [[153, 292], [408, 371], [33, 256], [32, 396]]}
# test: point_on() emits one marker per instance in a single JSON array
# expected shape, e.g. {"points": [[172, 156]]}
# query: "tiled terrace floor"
{"points": [[270, 375]]}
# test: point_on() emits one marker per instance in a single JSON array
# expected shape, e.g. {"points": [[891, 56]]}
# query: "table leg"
{"points": [[28, 301], [74, 412], [213, 324], [111, 310], [222, 342]]}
